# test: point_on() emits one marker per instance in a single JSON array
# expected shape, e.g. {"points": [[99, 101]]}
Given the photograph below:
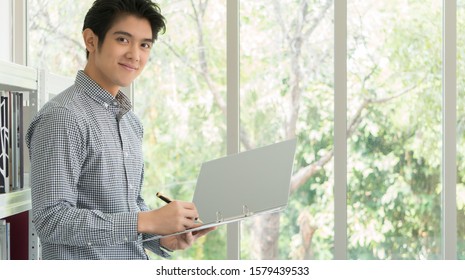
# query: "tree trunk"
{"points": [[265, 235]]}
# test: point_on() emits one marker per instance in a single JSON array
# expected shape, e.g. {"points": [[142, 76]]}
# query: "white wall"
{"points": [[6, 30]]}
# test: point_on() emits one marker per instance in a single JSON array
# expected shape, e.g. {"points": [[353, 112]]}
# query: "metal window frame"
{"points": [[449, 140], [340, 130], [233, 104]]}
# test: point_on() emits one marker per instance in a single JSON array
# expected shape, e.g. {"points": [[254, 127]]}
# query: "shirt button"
{"points": [[126, 154], [125, 238], [106, 105], [115, 103], [131, 187], [90, 244]]}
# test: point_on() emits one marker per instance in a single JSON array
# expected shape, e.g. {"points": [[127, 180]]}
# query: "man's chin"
{"points": [[125, 84]]}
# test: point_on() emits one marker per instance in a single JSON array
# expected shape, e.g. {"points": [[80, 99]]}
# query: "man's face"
{"points": [[123, 54]]}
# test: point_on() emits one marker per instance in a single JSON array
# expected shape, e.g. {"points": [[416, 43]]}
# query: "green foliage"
{"points": [[394, 81], [395, 154]]}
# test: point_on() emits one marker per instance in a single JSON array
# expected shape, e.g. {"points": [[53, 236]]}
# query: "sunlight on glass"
{"points": [[55, 44], [394, 129], [287, 92]]}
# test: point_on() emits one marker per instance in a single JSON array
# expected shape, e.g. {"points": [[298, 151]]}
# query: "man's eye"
{"points": [[146, 45], [122, 40]]}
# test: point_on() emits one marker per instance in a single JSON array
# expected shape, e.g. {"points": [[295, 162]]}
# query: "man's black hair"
{"points": [[103, 14]]}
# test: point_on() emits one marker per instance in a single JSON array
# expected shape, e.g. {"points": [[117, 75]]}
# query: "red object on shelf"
{"points": [[19, 235]]}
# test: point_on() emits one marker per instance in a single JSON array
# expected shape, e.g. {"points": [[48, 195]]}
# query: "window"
{"points": [[394, 116], [394, 129], [55, 40], [287, 91]]}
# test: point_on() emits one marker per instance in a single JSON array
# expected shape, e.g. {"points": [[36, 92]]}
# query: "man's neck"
{"points": [[99, 78]]}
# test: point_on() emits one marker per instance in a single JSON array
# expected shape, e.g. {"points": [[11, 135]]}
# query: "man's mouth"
{"points": [[128, 67]]}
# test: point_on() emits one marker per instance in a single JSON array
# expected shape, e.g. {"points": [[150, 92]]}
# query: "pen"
{"points": [[163, 197], [168, 200]]}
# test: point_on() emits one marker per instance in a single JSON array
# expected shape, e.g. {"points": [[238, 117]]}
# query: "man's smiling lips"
{"points": [[128, 67]]}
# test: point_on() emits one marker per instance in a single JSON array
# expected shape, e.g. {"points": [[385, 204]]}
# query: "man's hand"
{"points": [[185, 240], [173, 217]]}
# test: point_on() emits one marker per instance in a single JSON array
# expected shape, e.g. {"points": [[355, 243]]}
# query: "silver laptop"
{"points": [[242, 185]]}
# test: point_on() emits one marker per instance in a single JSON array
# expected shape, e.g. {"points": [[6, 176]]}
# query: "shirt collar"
{"points": [[102, 96]]}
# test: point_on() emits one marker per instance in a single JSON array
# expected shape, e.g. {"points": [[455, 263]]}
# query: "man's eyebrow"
{"points": [[130, 35]]}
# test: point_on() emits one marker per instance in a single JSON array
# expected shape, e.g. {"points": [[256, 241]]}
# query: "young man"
{"points": [[86, 150]]}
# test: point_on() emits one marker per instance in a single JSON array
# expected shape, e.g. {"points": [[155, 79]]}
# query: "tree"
{"points": [[393, 129]]}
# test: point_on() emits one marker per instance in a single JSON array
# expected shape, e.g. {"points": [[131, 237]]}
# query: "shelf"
{"points": [[15, 202], [14, 77]]}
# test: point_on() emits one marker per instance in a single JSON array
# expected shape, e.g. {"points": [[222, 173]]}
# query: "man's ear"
{"points": [[90, 40]]}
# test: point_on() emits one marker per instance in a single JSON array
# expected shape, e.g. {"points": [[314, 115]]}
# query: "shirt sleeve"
{"points": [[152, 245], [57, 146]]}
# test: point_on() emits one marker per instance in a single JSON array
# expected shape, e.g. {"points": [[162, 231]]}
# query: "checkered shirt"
{"points": [[86, 175]]}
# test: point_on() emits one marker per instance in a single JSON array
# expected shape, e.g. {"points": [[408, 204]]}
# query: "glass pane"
{"points": [[394, 129], [55, 44], [181, 99], [460, 130], [286, 92]]}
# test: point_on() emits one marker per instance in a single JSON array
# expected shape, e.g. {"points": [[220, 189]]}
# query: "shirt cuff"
{"points": [[154, 246], [125, 227]]}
